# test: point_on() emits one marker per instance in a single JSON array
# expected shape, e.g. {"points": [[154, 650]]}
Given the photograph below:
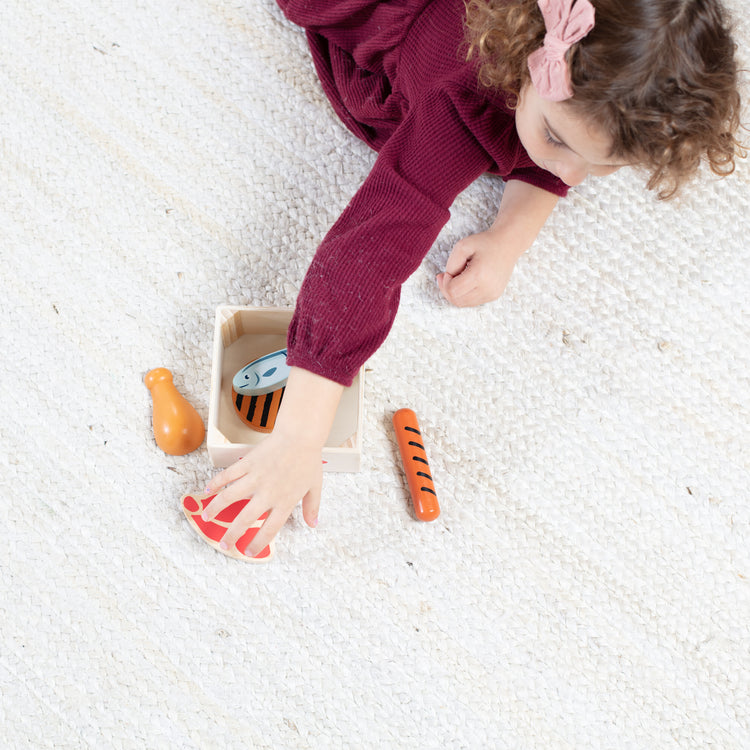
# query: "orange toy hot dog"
{"points": [[411, 447]]}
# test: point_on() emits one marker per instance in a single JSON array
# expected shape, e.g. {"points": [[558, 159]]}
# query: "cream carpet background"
{"points": [[588, 582]]}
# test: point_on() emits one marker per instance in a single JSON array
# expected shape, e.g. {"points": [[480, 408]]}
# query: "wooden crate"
{"points": [[241, 335]]}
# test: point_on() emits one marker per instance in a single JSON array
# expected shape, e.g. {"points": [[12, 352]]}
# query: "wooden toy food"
{"points": [[178, 428], [258, 412], [414, 457], [212, 531], [257, 390], [263, 375]]}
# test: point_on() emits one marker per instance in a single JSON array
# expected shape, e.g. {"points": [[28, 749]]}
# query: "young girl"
{"points": [[542, 93]]}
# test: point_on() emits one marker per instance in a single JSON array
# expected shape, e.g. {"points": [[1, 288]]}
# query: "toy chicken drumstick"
{"points": [[178, 428]]}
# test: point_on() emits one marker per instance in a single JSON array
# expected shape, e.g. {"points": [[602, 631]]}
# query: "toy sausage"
{"points": [[414, 457]]}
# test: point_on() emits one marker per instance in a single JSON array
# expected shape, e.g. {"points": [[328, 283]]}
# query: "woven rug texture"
{"points": [[587, 585]]}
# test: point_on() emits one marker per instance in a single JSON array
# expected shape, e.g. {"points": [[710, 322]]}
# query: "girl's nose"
{"points": [[573, 174]]}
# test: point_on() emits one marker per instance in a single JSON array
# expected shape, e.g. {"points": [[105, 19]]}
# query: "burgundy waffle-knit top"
{"points": [[396, 74]]}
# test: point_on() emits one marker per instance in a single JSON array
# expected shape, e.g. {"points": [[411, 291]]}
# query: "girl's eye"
{"points": [[552, 141]]}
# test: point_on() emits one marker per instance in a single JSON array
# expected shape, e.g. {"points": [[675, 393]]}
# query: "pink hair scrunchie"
{"points": [[566, 24]]}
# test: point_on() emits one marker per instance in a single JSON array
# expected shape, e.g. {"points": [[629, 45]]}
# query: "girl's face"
{"points": [[561, 142]]}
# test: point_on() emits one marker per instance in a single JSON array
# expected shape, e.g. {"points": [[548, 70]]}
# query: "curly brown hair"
{"points": [[659, 76]]}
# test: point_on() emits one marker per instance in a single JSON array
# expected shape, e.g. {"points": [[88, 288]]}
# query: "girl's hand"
{"points": [[285, 468], [480, 265], [276, 474], [477, 270]]}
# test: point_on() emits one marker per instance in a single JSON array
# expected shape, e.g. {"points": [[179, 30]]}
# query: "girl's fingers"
{"points": [[446, 285], [311, 505], [245, 519], [266, 533], [230, 474], [223, 500], [458, 258], [459, 290]]}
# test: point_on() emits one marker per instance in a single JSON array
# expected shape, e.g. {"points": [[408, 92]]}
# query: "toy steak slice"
{"points": [[213, 531], [264, 375]]}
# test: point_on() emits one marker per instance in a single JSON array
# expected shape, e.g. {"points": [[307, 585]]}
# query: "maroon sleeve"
{"points": [[540, 178], [350, 295]]}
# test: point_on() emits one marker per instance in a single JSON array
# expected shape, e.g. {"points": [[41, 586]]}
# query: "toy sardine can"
{"points": [[264, 375], [257, 390], [258, 412]]}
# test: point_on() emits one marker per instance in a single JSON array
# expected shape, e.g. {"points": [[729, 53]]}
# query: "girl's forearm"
{"points": [[308, 409], [522, 213]]}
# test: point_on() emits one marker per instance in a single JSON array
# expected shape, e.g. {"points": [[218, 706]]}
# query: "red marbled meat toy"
{"points": [[212, 531]]}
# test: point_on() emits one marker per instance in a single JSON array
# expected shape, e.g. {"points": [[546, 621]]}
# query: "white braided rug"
{"points": [[588, 582]]}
